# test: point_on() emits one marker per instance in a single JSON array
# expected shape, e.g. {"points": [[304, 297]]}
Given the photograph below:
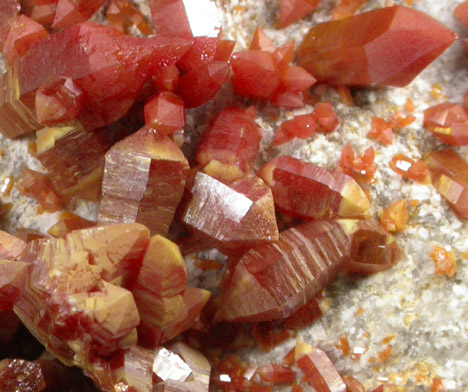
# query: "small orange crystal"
{"points": [[445, 261]]}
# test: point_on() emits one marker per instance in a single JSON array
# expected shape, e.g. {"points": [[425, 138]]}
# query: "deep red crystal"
{"points": [[165, 113], [448, 122]]}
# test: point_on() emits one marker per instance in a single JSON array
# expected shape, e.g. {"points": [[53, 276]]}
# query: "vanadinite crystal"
{"points": [[67, 223], [308, 191], [449, 173], [144, 179], [165, 113], [11, 247], [74, 159], [108, 66], [169, 18], [159, 294], [122, 15], [234, 216], [274, 280], [448, 122], [292, 10], [388, 46], [229, 145], [372, 248], [37, 186], [318, 369], [8, 10], [13, 275], [70, 12]]}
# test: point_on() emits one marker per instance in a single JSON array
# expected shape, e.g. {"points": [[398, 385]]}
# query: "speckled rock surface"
{"points": [[423, 317]]}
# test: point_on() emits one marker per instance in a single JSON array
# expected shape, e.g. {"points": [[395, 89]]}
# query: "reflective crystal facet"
{"points": [[448, 122], [318, 369], [144, 179], [233, 217], [387, 47], [449, 173], [308, 191], [229, 145], [293, 10], [274, 280]]}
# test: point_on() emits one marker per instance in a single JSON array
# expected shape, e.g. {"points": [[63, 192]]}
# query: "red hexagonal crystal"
{"points": [[408, 168], [387, 47], [200, 85], [78, 171], [362, 168], [108, 66], [71, 12], [449, 173], [260, 41], [373, 249], [24, 33], [448, 122], [233, 216], [170, 18], [292, 10], [67, 223], [308, 191], [255, 74], [229, 145], [204, 51], [346, 8], [318, 369], [144, 179], [325, 116], [301, 127], [165, 113], [8, 10], [274, 280], [37, 186], [58, 102]]}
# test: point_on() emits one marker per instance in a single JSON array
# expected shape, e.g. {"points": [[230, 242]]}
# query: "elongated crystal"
{"points": [[274, 280], [449, 173], [144, 179], [318, 369], [308, 191], [234, 217], [108, 66], [229, 145], [388, 47]]}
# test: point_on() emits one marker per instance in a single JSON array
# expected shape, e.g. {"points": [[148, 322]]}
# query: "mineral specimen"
{"points": [[11, 247], [232, 217], [318, 369], [165, 113], [122, 15], [307, 191], [67, 223], [449, 173], [74, 159], [37, 186], [408, 168], [159, 293], [71, 12], [292, 10], [386, 47], [448, 122], [362, 168], [372, 248], [13, 275], [274, 280], [144, 179], [229, 145], [395, 216], [301, 127], [108, 66], [170, 18], [24, 32], [8, 10]]}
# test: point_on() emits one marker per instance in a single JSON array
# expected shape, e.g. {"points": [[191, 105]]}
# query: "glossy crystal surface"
{"points": [[386, 47], [233, 217], [448, 122], [308, 191], [144, 178], [274, 280], [449, 173]]}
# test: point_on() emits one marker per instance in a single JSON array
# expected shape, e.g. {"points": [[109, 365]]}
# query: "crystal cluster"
{"points": [[109, 110]]}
